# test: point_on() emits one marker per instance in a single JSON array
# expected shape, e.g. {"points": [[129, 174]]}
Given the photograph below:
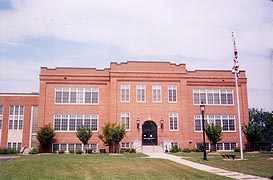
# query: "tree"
{"points": [[214, 134], [84, 134], [259, 130], [112, 135], [45, 137]]}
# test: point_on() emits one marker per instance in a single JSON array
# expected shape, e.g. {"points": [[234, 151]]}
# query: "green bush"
{"points": [[174, 149], [237, 149], [187, 150], [61, 152], [196, 150], [132, 150], [78, 151], [35, 151], [71, 151]]}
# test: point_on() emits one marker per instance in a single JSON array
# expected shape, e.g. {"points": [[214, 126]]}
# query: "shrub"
{"points": [[61, 152], [196, 150], [187, 150], [34, 151], [174, 149], [237, 149], [71, 151], [78, 151], [132, 150]]}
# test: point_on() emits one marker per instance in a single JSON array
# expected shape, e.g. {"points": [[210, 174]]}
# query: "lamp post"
{"points": [[202, 108]]}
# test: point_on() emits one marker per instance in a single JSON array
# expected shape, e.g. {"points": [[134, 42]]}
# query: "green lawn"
{"points": [[97, 167], [258, 164]]}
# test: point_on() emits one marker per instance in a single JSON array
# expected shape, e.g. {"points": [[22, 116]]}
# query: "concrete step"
{"points": [[152, 149]]}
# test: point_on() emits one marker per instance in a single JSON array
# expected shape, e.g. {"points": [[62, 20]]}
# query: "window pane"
{"points": [[73, 95], [87, 95], [65, 95], [95, 97]]}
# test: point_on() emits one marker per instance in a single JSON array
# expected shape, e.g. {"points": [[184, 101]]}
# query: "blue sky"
{"points": [[73, 33]]}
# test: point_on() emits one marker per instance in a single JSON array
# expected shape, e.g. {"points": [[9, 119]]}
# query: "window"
{"points": [[34, 118], [1, 116], [140, 93], [125, 120], [63, 147], [93, 147], [65, 122], [157, 97], [200, 146], [173, 121], [172, 93], [213, 96], [94, 122], [71, 147], [15, 145], [65, 95], [125, 145], [219, 146], [125, 92], [227, 122], [34, 125], [55, 147], [16, 117]]}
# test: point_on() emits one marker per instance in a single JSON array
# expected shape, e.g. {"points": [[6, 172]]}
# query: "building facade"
{"points": [[158, 103], [18, 120]]}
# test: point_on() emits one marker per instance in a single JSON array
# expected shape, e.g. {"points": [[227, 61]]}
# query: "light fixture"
{"points": [[161, 123], [138, 122]]}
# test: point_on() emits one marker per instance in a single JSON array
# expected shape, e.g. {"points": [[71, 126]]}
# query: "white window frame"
{"points": [[172, 89], [16, 117], [79, 93], [156, 93], [140, 95], [222, 94], [174, 117], [125, 93], [208, 119], [1, 115], [125, 145], [123, 118], [79, 121]]}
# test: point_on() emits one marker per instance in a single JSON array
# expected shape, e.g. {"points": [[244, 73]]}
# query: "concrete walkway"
{"points": [[206, 168]]}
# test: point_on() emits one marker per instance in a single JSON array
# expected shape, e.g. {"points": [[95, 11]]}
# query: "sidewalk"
{"points": [[206, 168]]}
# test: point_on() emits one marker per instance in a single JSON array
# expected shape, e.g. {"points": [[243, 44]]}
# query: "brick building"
{"points": [[158, 102], [18, 119]]}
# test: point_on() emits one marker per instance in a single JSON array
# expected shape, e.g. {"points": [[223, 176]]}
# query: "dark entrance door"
{"points": [[149, 133]]}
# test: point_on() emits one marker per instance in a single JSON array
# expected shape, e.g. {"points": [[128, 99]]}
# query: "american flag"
{"points": [[235, 60]]}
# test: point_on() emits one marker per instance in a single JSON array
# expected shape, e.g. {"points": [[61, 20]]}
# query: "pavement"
{"points": [[221, 172]]}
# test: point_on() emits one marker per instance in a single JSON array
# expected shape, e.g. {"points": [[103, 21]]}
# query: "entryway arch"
{"points": [[149, 133]]}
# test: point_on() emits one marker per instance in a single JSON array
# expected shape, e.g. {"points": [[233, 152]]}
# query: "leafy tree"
{"points": [[112, 135], [214, 134], [84, 134], [45, 137], [259, 130]]}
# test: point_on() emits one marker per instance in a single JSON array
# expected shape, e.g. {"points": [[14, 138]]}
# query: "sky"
{"points": [[94, 33]]}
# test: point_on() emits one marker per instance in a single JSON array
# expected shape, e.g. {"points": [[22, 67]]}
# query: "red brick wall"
{"points": [[26, 100]]}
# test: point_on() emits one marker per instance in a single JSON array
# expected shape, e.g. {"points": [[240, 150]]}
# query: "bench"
{"points": [[228, 156]]}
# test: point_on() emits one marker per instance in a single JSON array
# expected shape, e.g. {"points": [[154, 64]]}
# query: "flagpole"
{"points": [[236, 70], [239, 116]]}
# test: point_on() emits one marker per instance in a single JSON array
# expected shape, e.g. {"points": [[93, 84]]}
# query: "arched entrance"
{"points": [[149, 133]]}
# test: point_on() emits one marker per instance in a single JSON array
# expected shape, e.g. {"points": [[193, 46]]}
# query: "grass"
{"points": [[98, 167], [258, 164]]}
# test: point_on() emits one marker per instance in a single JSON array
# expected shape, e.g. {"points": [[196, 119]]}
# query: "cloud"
{"points": [[161, 27], [194, 32]]}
